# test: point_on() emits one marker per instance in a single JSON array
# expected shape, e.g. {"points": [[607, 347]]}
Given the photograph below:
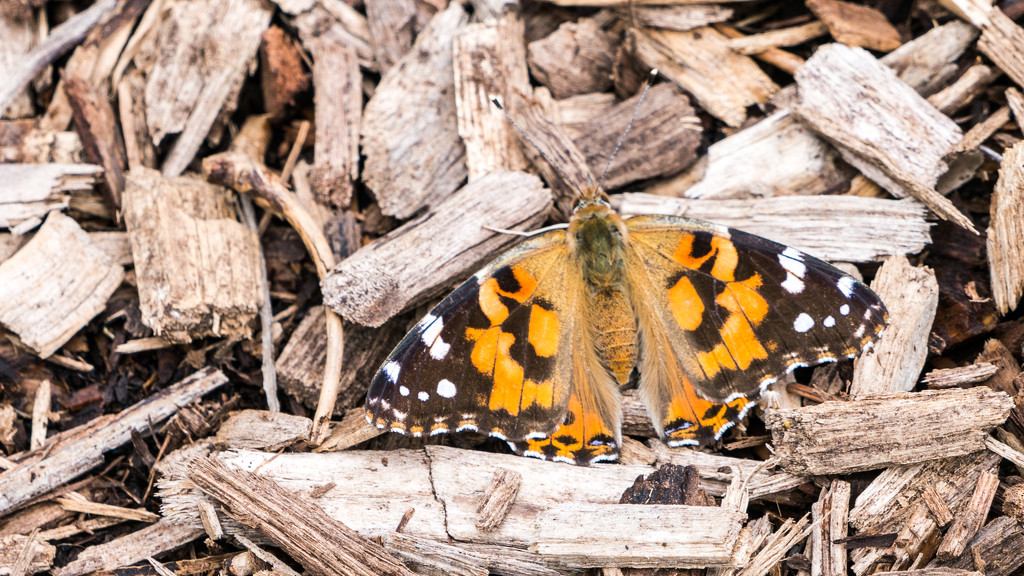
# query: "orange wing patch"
{"points": [[581, 438], [740, 345], [722, 250], [691, 420]]}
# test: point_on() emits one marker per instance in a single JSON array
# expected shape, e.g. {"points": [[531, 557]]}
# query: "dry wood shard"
{"points": [[894, 363], [54, 285], [498, 498], [885, 430], [414, 157], [575, 59], [899, 140], [856, 24], [380, 280], [263, 430], [1005, 231], [33, 190], [339, 105], [998, 549], [197, 265], [130, 548], [836, 228], [966, 525]]}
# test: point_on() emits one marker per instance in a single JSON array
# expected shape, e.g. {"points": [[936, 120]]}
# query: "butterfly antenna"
{"points": [[622, 137], [528, 138]]}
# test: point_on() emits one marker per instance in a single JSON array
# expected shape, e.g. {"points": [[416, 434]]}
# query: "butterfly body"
{"points": [[536, 347]]}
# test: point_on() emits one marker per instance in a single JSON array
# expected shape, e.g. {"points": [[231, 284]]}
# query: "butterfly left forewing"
{"points": [[723, 314]]}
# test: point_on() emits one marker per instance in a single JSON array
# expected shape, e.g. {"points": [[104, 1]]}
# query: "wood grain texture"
{"points": [[966, 525], [894, 362], [574, 59], [970, 374], [1002, 40], [339, 106], [999, 547], [197, 265], [263, 430], [33, 190], [856, 24], [380, 280], [54, 285], [835, 228], [700, 61], [94, 121], [410, 138], [830, 515], [490, 62], [1005, 231], [195, 62], [904, 428], [840, 82], [498, 498], [680, 17], [131, 548]]}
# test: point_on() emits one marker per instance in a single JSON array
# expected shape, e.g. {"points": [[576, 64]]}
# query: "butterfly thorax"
{"points": [[597, 240]]}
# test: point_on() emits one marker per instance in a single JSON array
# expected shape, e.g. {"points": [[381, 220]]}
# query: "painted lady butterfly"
{"points": [[535, 348]]}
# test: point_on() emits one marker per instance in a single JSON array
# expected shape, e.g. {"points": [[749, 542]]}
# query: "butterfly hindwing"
{"points": [[723, 314]]}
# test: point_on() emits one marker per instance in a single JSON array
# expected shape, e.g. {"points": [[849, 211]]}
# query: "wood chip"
{"points": [[393, 25], [574, 59], [380, 280], [856, 24], [596, 535], [997, 550], [1006, 228], [78, 450], [962, 375], [905, 428], [13, 547], [339, 106], [679, 17], [412, 115], [839, 82], [966, 525], [94, 120], [54, 285], [757, 43], [700, 61], [427, 556], [34, 190], [159, 537], [353, 429], [1002, 40], [498, 498], [197, 265], [835, 228], [490, 62], [263, 430], [894, 363], [97, 509]]}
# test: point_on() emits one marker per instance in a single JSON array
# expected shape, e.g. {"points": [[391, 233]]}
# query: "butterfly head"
{"points": [[597, 238]]}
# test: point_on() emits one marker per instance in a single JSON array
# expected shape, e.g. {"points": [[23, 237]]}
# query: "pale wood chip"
{"points": [[856, 24], [967, 524], [1006, 229], [574, 59], [959, 376], [262, 430], [498, 498], [154, 539]]}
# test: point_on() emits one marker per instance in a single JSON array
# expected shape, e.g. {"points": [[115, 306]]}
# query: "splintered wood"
{"points": [[905, 428], [197, 265], [1005, 231]]}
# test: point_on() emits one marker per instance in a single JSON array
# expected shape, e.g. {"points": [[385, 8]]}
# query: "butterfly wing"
{"points": [[496, 357], [723, 314]]}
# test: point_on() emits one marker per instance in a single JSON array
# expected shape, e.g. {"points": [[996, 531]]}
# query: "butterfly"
{"points": [[536, 347]]}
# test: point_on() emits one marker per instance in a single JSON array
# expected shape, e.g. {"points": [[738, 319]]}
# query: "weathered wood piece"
{"points": [[887, 504], [998, 548], [334, 21], [965, 89], [197, 265], [498, 498], [262, 430], [758, 43], [840, 82], [33, 190], [830, 515], [959, 376], [95, 508], [186, 92], [844, 228], [574, 59], [856, 24], [931, 572], [380, 280], [983, 130], [966, 525], [1002, 40], [1005, 231], [282, 75], [439, 557], [54, 285], [411, 116], [16, 558], [700, 61], [595, 535], [776, 545], [94, 121], [130, 548], [16, 28], [297, 525], [339, 106], [905, 428], [352, 430], [60, 40], [393, 25], [679, 17], [490, 62], [663, 139], [74, 452], [894, 363]]}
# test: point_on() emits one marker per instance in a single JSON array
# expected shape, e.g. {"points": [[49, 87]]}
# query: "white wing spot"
{"points": [[423, 396], [439, 349], [844, 309], [403, 390], [792, 284], [793, 263], [446, 388], [803, 323], [845, 286], [430, 334], [391, 370], [829, 322]]}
